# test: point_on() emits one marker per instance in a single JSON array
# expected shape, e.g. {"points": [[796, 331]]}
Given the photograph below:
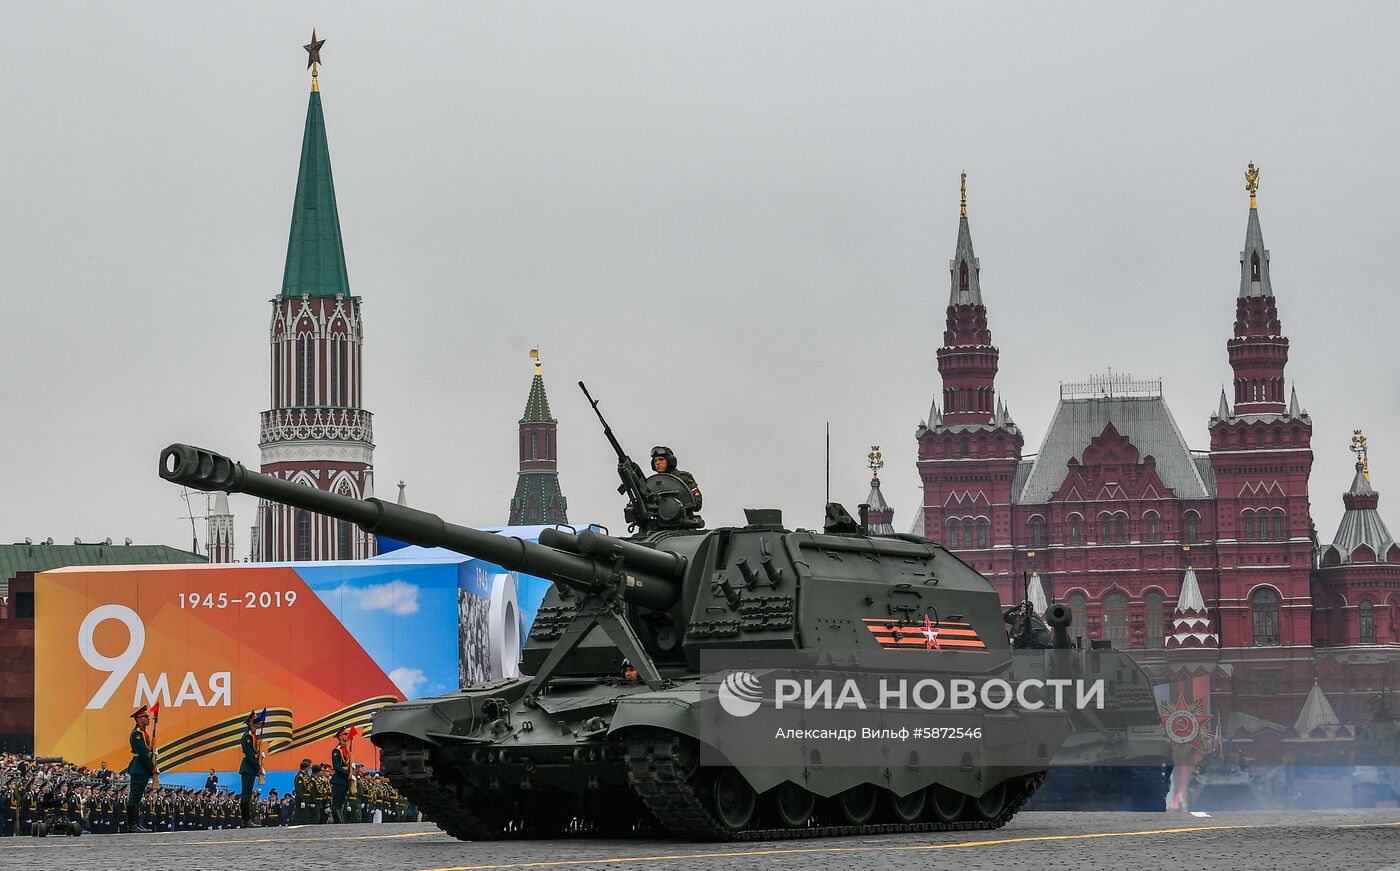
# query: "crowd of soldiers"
{"points": [[31, 790], [372, 800]]}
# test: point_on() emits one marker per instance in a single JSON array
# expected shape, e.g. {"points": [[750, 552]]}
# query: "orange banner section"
{"points": [[211, 644]]}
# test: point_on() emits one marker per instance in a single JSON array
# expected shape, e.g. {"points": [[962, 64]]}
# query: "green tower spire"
{"points": [[315, 253], [538, 499]]}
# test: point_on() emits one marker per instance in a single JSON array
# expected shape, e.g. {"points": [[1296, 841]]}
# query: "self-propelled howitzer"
{"points": [[622, 725]]}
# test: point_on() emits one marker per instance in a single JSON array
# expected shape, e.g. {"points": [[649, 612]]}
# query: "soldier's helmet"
{"points": [[663, 451]]}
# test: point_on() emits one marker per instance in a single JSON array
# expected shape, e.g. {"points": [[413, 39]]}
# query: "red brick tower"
{"points": [[1261, 455], [316, 432], [969, 451]]}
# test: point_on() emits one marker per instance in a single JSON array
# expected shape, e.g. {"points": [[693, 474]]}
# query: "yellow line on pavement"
{"points": [[739, 854]]}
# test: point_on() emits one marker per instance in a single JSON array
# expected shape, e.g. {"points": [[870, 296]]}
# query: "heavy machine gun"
{"points": [[657, 502]]}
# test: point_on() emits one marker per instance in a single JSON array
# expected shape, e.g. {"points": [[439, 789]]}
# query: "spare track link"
{"points": [[656, 774], [410, 770]]}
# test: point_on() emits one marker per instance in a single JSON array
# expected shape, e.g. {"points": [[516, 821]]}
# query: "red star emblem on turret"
{"points": [[930, 633]]}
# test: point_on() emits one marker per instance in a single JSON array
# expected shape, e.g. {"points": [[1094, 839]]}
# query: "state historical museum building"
{"points": [[1205, 562]]}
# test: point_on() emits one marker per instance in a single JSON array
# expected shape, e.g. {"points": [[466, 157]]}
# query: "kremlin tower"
{"points": [[316, 432], [968, 452], [538, 500]]}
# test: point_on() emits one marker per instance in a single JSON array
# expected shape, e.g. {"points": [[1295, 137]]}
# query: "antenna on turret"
{"points": [[828, 461]]}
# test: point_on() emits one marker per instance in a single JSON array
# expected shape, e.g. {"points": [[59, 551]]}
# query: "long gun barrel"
{"points": [[591, 562]]}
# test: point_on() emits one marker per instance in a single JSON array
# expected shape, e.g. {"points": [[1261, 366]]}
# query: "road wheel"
{"points": [[991, 803], [731, 799], [906, 809], [946, 803], [792, 805], [76, 828], [41, 830], [856, 806]]}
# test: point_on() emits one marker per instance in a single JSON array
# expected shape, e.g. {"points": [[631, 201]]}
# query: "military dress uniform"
{"points": [[301, 795], [340, 782], [140, 770], [248, 770]]}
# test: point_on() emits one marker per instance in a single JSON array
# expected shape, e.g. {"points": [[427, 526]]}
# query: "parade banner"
{"points": [[321, 646]]}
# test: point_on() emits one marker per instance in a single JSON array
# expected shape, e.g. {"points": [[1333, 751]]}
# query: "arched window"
{"points": [[966, 447], [1120, 528], [534, 446], [1115, 619], [1075, 530], [1278, 526], [1149, 526], [306, 358], [969, 532], [1037, 531], [1248, 524], [953, 534], [1153, 622], [303, 536], [982, 533], [1264, 609], [1254, 266], [343, 540], [1105, 528], [341, 375], [1079, 627], [1259, 439], [1366, 615], [962, 275], [1190, 527]]}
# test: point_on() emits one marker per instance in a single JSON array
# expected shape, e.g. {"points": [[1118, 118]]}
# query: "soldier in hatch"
{"points": [[663, 462]]}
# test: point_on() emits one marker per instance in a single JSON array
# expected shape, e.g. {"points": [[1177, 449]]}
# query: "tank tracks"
{"points": [[658, 774], [410, 770]]}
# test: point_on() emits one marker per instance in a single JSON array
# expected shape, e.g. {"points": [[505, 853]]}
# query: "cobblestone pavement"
{"points": [[1235, 841]]}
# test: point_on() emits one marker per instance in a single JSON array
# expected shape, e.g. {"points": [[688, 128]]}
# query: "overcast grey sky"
{"points": [[732, 219]]}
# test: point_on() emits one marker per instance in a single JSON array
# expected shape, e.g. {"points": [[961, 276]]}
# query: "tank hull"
{"points": [[614, 757]]}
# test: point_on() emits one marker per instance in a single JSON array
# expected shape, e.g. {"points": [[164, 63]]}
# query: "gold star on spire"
{"points": [[313, 57]]}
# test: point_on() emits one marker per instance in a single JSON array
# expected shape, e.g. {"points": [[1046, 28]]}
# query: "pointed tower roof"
{"points": [[1223, 412], [220, 508], [964, 268], [1317, 713], [315, 253], [537, 403], [1361, 523], [1254, 259], [1036, 593], [403, 499], [881, 514], [1191, 627], [1294, 410]]}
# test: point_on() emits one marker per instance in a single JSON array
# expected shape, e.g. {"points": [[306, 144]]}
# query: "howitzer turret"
{"points": [[613, 726]]}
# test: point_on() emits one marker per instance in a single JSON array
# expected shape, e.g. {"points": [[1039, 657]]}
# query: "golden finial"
{"points": [[1363, 456], [964, 195], [1251, 184], [313, 59], [874, 461], [535, 355]]}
